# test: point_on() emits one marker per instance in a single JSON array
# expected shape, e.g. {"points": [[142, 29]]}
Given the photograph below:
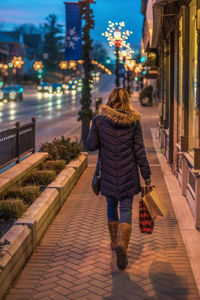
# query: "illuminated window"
{"points": [[192, 73]]}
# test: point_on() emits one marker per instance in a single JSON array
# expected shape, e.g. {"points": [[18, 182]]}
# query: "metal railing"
{"points": [[16, 143]]}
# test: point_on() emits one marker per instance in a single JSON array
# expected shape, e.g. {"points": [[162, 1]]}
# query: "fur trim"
{"points": [[124, 118]]}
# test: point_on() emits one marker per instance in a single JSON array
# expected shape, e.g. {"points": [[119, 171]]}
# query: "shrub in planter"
{"points": [[146, 92], [27, 193], [12, 208], [56, 165], [62, 149], [40, 177]]}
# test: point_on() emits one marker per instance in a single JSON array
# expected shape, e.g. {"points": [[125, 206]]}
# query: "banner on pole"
{"points": [[73, 43]]}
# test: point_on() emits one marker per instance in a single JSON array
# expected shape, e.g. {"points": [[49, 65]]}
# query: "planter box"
{"points": [[15, 255], [20, 170], [29, 229]]}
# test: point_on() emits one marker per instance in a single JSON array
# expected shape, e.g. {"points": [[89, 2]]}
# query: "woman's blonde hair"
{"points": [[119, 99]]}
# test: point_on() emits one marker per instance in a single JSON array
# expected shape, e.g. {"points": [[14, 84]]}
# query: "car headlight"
{"points": [[73, 86], [12, 95], [1, 95], [70, 82], [46, 87], [39, 88], [50, 90]]}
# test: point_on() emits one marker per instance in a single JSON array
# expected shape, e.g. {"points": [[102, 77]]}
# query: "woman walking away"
{"points": [[117, 133]]}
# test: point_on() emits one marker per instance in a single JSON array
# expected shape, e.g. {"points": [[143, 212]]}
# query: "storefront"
{"points": [[176, 25]]}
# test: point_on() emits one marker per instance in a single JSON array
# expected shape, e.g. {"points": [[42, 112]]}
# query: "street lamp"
{"points": [[63, 66], [38, 66], [17, 62], [124, 53], [117, 37]]}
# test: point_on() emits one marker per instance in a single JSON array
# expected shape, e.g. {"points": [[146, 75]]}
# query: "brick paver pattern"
{"points": [[74, 259]]}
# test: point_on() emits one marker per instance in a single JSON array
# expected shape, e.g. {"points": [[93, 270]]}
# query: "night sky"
{"points": [[16, 12]]}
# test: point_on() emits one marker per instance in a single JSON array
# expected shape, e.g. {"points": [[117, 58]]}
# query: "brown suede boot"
{"points": [[123, 237], [113, 229]]}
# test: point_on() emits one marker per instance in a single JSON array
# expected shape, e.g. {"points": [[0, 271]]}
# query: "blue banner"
{"points": [[73, 42]]}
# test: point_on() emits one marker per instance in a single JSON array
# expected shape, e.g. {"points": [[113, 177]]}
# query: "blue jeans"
{"points": [[125, 209]]}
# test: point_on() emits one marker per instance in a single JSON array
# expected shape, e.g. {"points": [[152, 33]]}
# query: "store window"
{"points": [[192, 73]]}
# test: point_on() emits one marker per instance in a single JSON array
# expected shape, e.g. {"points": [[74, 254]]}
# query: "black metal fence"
{"points": [[16, 143]]}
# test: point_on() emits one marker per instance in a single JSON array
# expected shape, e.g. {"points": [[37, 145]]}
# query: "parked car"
{"points": [[44, 87], [11, 93], [57, 88]]}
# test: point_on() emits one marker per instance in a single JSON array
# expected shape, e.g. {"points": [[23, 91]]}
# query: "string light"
{"points": [[116, 34], [17, 62]]}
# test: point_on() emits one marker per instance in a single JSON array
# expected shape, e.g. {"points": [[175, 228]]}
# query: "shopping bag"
{"points": [[153, 203], [145, 221]]}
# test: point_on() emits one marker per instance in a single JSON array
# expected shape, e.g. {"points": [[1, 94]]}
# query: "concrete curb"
{"points": [[190, 235], [27, 231]]}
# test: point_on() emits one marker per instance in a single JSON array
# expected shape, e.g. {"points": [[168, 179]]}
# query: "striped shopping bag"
{"points": [[146, 223]]}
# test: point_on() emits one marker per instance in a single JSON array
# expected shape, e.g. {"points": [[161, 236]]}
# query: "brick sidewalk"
{"points": [[74, 260]]}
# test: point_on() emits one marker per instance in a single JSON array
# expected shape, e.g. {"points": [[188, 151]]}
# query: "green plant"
{"points": [[41, 177], [12, 208], [62, 149], [146, 92], [27, 193], [57, 165]]}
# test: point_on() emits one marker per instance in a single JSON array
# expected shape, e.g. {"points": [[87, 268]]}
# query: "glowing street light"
{"points": [[117, 37], [17, 62], [38, 65], [63, 65]]}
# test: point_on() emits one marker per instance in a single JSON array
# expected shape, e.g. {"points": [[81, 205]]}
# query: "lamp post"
{"points": [[124, 53], [86, 114], [117, 41], [130, 65], [117, 37], [38, 67], [17, 62], [63, 66]]}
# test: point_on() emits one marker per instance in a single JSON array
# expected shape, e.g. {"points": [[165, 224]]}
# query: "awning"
{"points": [[158, 9]]}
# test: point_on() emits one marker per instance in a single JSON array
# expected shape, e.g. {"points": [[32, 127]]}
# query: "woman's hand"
{"points": [[148, 181]]}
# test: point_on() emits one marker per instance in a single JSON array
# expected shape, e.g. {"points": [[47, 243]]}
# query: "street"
{"points": [[61, 110]]}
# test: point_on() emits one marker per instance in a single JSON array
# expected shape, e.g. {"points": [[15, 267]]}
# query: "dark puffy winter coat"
{"points": [[118, 135]]}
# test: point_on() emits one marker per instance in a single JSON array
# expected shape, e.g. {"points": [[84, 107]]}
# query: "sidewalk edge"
{"points": [[190, 235]]}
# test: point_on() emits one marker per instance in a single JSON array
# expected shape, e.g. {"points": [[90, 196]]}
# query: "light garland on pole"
{"points": [[38, 67], [117, 36]]}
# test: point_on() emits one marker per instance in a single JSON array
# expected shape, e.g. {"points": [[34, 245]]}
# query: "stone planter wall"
{"points": [[29, 229]]}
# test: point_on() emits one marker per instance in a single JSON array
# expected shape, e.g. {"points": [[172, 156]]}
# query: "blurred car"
{"points": [[71, 85], [44, 87], [79, 84], [11, 93], [57, 88]]}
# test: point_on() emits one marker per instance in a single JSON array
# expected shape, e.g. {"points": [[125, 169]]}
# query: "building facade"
{"points": [[174, 30]]}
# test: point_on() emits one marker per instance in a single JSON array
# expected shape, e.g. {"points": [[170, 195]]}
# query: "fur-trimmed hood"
{"points": [[123, 118]]}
